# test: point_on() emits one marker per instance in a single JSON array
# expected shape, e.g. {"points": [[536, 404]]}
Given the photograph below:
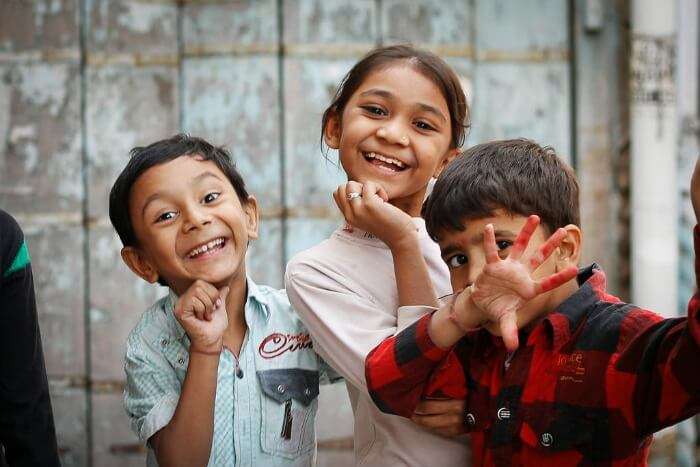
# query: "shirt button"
{"points": [[181, 361], [307, 392], [503, 413], [281, 388], [471, 421], [546, 439], [164, 342]]}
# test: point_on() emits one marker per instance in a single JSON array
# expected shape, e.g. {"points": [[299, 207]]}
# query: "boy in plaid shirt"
{"points": [[555, 370]]}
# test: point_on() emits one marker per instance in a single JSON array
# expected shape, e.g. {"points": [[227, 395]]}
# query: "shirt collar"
{"points": [[255, 293], [370, 239], [563, 322]]}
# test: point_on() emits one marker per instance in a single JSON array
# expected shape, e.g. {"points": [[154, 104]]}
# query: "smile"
{"points": [[383, 161], [210, 247]]}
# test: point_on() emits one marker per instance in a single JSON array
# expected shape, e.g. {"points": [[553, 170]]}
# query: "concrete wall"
{"points": [[83, 81]]}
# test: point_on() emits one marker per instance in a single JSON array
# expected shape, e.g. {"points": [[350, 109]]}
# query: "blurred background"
{"points": [[611, 85]]}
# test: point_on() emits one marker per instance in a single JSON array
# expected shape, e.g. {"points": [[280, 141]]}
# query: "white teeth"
{"points": [[388, 160], [204, 248]]}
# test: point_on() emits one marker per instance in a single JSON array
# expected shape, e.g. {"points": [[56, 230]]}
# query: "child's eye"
{"points": [[210, 197], [456, 261], [503, 244], [424, 126], [166, 216], [374, 110]]}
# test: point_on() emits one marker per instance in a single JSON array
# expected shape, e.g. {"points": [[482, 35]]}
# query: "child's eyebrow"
{"points": [[448, 250], [204, 175], [478, 239], [420, 105]]}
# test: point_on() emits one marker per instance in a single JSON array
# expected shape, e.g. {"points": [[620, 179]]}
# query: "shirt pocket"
{"points": [[289, 402], [560, 428]]}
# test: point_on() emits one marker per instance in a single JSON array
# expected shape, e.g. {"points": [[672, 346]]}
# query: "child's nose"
{"points": [[394, 134], [195, 218]]}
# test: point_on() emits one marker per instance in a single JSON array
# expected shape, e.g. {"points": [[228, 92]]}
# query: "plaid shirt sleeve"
{"points": [[662, 356], [398, 370]]}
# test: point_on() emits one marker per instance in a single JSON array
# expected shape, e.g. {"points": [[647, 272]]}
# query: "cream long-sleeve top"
{"points": [[344, 290]]}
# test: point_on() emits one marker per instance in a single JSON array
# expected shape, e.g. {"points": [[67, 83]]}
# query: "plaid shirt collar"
{"points": [[560, 324]]}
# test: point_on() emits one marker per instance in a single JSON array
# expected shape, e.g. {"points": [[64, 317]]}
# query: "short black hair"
{"points": [[143, 158], [517, 175]]}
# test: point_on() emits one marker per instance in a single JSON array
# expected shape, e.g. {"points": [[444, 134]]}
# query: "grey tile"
{"points": [[69, 411], [39, 29], [131, 27], [126, 107], [230, 26], [40, 159], [523, 100], [118, 298], [425, 23], [330, 22], [114, 444], [59, 282], [309, 87], [234, 102]]}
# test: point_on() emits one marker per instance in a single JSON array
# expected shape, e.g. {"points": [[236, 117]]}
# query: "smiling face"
{"points": [[464, 254], [395, 130], [190, 224]]}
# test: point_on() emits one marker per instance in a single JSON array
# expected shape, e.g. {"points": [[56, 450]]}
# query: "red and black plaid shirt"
{"points": [[590, 385]]}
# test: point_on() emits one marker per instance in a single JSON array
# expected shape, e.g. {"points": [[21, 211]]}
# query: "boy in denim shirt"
{"points": [[220, 371]]}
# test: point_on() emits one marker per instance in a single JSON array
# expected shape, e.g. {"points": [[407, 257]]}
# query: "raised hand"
{"points": [[505, 285], [366, 207], [201, 311]]}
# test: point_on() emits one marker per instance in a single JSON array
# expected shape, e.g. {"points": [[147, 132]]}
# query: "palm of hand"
{"points": [[503, 288]]}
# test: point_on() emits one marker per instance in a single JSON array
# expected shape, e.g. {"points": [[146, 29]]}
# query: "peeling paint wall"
{"points": [[83, 81]]}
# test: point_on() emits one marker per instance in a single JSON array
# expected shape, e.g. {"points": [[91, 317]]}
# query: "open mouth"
{"points": [[384, 162], [207, 249]]}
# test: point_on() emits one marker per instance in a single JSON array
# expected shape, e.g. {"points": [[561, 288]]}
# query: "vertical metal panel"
{"points": [[232, 101]]}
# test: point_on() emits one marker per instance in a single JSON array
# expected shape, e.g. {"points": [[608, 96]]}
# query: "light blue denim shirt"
{"points": [[265, 403]]}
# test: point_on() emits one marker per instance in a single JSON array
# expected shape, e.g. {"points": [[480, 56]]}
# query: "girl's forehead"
{"points": [[403, 81]]}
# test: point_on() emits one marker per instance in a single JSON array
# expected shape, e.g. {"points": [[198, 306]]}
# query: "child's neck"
{"points": [[235, 310], [411, 204]]}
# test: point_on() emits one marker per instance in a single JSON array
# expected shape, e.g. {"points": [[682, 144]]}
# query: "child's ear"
{"points": [[250, 207], [331, 132], [140, 264], [569, 251], [449, 157]]}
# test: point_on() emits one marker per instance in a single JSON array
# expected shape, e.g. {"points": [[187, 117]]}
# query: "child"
{"points": [[220, 371], [397, 118], [592, 379], [27, 433]]}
